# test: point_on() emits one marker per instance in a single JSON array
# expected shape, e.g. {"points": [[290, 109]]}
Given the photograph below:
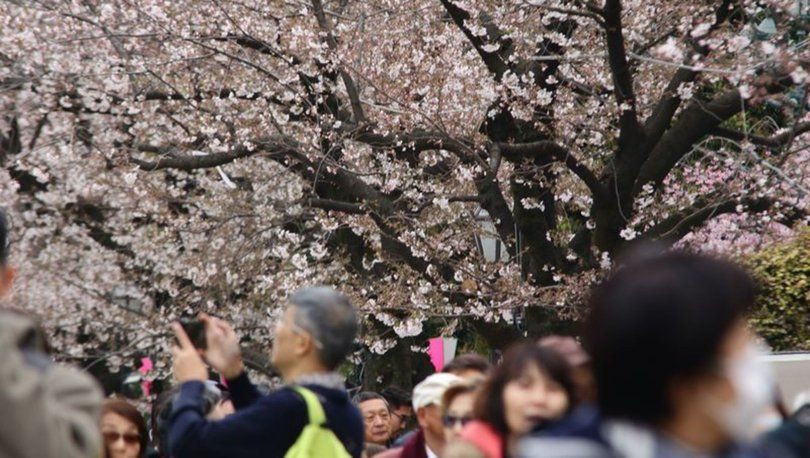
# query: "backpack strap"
{"points": [[314, 408]]}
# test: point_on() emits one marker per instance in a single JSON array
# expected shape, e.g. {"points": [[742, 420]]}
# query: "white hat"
{"points": [[430, 390]]}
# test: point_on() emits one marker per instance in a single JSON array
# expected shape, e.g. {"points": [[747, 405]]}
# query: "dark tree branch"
{"points": [[519, 151], [685, 221], [497, 61], [170, 160], [351, 87], [335, 205], [622, 76], [697, 121], [774, 141], [661, 117]]}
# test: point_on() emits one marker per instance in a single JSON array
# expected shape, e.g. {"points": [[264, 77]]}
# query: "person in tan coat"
{"points": [[49, 410]]}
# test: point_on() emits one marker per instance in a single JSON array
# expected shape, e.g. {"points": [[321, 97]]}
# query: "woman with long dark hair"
{"points": [[531, 387]]}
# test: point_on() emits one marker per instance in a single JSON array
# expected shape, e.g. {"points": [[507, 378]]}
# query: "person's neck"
{"points": [[303, 368], [695, 431], [435, 444]]}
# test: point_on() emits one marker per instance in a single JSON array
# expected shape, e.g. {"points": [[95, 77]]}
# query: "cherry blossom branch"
{"points": [[681, 223]]}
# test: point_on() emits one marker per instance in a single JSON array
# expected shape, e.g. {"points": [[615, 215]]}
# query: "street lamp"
{"points": [[489, 244]]}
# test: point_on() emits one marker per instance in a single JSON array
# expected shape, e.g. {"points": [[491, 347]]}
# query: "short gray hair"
{"points": [[330, 319]]}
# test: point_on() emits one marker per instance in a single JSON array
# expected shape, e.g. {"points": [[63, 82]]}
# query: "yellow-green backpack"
{"points": [[316, 440]]}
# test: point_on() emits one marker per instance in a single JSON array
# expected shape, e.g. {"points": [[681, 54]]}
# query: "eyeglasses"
{"points": [[129, 438], [450, 421], [403, 418]]}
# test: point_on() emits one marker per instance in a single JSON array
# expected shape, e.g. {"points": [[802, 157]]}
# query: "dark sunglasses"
{"points": [[129, 438], [449, 420]]}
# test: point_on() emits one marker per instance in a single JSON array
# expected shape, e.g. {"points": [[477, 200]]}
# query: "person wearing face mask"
{"points": [[678, 373], [532, 387], [49, 410]]}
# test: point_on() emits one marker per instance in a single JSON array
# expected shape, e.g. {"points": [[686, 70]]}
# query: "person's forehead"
{"points": [[373, 404], [113, 420]]}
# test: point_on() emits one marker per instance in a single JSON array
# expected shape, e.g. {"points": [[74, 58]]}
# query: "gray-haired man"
{"points": [[312, 338]]}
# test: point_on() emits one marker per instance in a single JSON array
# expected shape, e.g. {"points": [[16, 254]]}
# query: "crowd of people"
{"points": [[667, 368]]}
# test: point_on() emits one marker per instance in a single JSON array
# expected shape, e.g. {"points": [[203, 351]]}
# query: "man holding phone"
{"points": [[313, 337]]}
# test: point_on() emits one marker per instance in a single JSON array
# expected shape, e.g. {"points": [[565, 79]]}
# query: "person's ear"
{"points": [[422, 417], [7, 274], [303, 343]]}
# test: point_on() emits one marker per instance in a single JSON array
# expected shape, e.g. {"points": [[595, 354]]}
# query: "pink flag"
{"points": [[436, 352]]}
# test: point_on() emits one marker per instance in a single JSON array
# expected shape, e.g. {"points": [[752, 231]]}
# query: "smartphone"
{"points": [[195, 330]]}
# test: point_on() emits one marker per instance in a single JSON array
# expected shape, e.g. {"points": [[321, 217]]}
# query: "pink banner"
{"points": [[436, 352]]}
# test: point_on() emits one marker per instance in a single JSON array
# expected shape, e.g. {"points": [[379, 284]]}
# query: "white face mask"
{"points": [[753, 383]]}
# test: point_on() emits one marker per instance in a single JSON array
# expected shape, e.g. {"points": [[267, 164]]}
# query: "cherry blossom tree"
{"points": [[165, 157]]}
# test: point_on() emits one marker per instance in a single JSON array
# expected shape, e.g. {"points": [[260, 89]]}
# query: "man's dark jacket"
{"points": [[262, 426]]}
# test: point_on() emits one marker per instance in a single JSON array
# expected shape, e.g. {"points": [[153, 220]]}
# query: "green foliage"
{"points": [[782, 313]]}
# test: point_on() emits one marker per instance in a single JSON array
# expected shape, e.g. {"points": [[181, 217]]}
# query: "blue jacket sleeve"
{"points": [[243, 392], [265, 428]]}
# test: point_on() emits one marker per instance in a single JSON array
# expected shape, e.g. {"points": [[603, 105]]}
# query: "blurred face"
{"points": [[531, 399], [458, 413], [290, 343], [430, 422], [7, 274], [400, 418], [730, 398], [120, 436], [377, 421]]}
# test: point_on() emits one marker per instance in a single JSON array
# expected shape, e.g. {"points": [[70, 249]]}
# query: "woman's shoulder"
{"points": [[484, 438]]}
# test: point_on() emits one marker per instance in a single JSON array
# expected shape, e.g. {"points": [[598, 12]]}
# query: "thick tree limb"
{"points": [[335, 205], [620, 70], [697, 121], [187, 162], [516, 152]]}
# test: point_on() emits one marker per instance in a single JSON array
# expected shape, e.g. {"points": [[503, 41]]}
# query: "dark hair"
{"points": [[656, 320], [489, 405], [161, 411], [457, 389], [468, 361], [330, 319], [213, 394], [128, 411], [4, 238], [396, 397], [369, 396]]}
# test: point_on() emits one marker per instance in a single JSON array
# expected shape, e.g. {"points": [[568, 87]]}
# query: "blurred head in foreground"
{"points": [[670, 349]]}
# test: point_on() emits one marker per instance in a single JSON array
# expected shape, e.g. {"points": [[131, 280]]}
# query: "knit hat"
{"points": [[430, 390]]}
